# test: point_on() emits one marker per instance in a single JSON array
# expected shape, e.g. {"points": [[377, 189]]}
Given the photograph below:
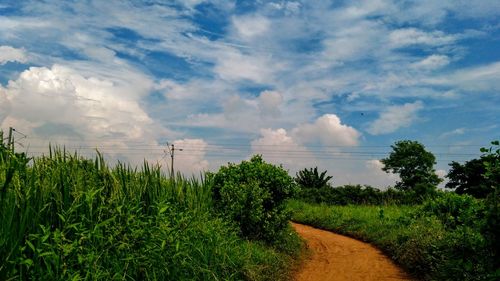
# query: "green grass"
{"points": [[426, 245], [64, 217]]}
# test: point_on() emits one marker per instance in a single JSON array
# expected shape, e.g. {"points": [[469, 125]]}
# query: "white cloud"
{"points": [[269, 103], [191, 159], [395, 117], [456, 132], [374, 175], [233, 65], [412, 36], [480, 78], [278, 147], [251, 26], [60, 104], [10, 54], [328, 130], [432, 62], [4, 105]]}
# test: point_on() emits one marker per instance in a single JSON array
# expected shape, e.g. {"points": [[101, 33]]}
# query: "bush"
{"points": [[252, 194]]}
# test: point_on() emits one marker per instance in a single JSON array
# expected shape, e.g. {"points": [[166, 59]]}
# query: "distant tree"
{"points": [[469, 178], [310, 178], [413, 163]]}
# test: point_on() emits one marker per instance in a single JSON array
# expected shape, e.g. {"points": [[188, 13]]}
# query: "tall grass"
{"points": [[64, 217]]}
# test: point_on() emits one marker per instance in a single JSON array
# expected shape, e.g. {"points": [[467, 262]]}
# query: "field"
{"points": [[64, 217]]}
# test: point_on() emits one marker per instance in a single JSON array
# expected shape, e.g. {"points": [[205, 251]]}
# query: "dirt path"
{"points": [[337, 257]]}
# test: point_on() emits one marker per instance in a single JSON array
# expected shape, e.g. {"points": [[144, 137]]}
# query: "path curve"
{"points": [[338, 257]]}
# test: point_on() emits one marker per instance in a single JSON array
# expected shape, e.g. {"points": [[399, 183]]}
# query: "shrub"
{"points": [[252, 194]]}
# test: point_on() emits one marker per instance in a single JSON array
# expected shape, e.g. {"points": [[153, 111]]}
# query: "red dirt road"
{"points": [[337, 257]]}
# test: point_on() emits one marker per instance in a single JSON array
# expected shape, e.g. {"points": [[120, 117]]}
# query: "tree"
{"points": [[413, 163], [469, 178], [310, 178]]}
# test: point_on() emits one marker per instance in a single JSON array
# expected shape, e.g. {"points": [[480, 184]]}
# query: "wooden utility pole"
{"points": [[172, 150], [10, 143]]}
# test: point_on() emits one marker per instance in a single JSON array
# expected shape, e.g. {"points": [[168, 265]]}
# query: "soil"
{"points": [[337, 257]]}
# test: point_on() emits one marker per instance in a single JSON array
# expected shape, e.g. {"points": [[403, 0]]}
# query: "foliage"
{"points": [[413, 163], [310, 178], [252, 194], [469, 178], [63, 217], [441, 240], [365, 195], [492, 174]]}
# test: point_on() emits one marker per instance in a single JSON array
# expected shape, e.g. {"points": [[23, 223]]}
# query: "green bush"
{"points": [[252, 194]]}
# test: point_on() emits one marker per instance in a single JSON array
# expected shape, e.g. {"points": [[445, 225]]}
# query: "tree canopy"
{"points": [[413, 163], [311, 178], [469, 178]]}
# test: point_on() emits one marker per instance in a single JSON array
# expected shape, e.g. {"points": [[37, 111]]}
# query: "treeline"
{"points": [[362, 195], [479, 178]]}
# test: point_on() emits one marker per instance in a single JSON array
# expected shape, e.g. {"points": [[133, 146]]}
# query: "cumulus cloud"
{"points": [[329, 130], [4, 105], [190, 156], [10, 54], [269, 102], [59, 103], [395, 117], [278, 147], [374, 175]]}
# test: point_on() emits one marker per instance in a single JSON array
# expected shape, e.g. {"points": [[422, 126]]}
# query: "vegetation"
{"points": [[443, 239], [414, 164], [435, 235], [63, 217], [252, 194], [363, 195], [310, 178], [469, 178]]}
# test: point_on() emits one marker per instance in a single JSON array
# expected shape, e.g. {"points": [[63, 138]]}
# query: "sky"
{"points": [[331, 84]]}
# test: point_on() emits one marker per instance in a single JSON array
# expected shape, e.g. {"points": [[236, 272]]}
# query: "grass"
{"points": [[425, 244], [64, 217]]}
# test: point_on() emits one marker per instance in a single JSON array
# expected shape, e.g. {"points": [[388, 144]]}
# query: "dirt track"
{"points": [[337, 257]]}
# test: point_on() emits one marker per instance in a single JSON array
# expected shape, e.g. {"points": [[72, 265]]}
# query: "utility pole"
{"points": [[10, 143], [172, 150]]}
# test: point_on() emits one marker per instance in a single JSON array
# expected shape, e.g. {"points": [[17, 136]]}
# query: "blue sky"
{"points": [[305, 83]]}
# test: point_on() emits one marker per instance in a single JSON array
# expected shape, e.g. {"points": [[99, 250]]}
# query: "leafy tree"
{"points": [[413, 163], [310, 178], [469, 178]]}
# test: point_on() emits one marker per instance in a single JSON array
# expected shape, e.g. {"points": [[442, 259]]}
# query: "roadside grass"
{"points": [[421, 242], [65, 217]]}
